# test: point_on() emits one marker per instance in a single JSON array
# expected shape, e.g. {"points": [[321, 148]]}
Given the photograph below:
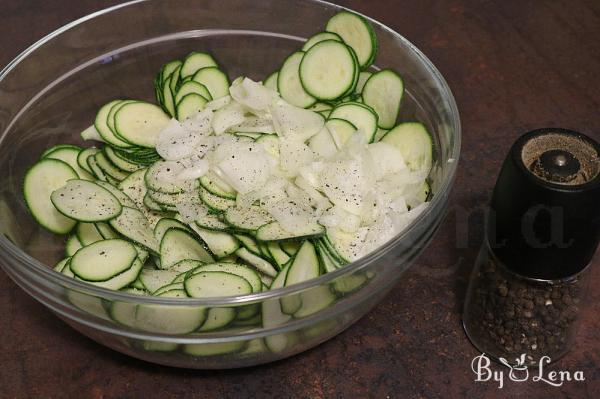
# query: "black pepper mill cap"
{"points": [[545, 210]]}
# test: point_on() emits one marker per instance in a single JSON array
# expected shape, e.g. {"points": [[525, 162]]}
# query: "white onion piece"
{"points": [[245, 166], [293, 155], [254, 96], [228, 116], [218, 103], [177, 141], [386, 159], [291, 121], [196, 170]]}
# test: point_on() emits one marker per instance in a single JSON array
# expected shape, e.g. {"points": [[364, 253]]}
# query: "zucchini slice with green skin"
{"points": [[247, 219], [87, 233], [327, 70], [192, 87], [218, 318], [177, 245], [168, 69], [69, 156], [271, 81], [73, 245], [41, 180], [109, 168], [83, 156], [168, 98], [103, 260], [153, 280], [274, 232], [215, 202], [360, 115], [194, 62], [243, 271], [248, 243], [215, 185], [122, 280], [383, 92], [214, 349], [214, 80], [289, 84], [340, 130], [101, 125], [211, 284], [356, 32], [305, 266], [59, 267], [49, 150], [110, 118], [413, 140], [140, 123], [86, 201], [362, 79], [119, 195], [165, 224], [119, 162], [320, 37], [272, 314], [258, 262], [190, 105], [169, 319], [133, 225], [219, 243]]}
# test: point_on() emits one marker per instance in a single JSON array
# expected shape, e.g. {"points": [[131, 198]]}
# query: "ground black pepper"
{"points": [[507, 315]]}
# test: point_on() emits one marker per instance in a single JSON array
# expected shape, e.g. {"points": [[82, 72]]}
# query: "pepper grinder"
{"points": [[528, 286]]}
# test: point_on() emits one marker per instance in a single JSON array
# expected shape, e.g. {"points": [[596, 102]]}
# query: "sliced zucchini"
{"points": [[69, 156], [41, 180], [119, 195], [215, 284], [356, 32], [320, 37], [73, 244], [194, 62], [327, 70], [362, 79], [259, 263], [101, 125], [140, 123], [383, 92], [192, 87], [87, 233], [86, 201], [103, 260], [219, 243], [190, 105], [83, 156], [165, 224], [271, 81], [119, 162], [304, 266], [214, 80], [243, 271], [133, 225], [247, 219], [360, 115], [177, 245], [414, 143], [214, 202], [289, 84], [274, 232]]}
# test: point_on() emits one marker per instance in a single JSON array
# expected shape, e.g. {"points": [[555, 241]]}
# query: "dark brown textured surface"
{"points": [[513, 66]]}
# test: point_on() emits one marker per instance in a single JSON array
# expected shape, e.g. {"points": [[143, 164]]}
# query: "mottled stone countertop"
{"points": [[513, 66]]}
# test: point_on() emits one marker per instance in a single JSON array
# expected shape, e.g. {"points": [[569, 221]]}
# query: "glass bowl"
{"points": [[52, 91]]}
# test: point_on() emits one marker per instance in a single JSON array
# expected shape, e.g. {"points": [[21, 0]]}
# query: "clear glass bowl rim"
{"points": [[72, 284]]}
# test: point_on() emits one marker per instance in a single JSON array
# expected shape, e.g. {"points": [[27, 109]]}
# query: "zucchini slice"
{"points": [[177, 245], [328, 70], [414, 143], [103, 260], [86, 201], [140, 123], [360, 115], [289, 84], [215, 284], [41, 180], [357, 33], [383, 92]]}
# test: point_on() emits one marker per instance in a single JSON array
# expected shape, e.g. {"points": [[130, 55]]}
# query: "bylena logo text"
{"points": [[521, 373]]}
